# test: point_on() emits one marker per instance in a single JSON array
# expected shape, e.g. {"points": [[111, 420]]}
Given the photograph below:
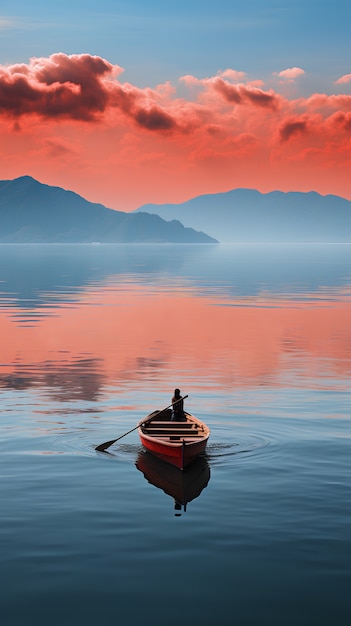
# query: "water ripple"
{"points": [[218, 453]]}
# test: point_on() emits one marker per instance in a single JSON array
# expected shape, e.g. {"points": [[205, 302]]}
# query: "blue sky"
{"points": [[157, 41]]}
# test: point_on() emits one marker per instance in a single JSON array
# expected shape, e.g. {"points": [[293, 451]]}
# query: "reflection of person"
{"points": [[178, 406], [177, 508]]}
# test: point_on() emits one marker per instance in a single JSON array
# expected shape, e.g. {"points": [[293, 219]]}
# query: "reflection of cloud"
{"points": [[16, 380], [79, 380], [144, 364], [139, 333]]}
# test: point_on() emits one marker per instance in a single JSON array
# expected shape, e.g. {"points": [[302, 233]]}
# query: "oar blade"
{"points": [[103, 446]]}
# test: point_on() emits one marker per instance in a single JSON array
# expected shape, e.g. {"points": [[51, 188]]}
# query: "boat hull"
{"points": [[177, 443]]}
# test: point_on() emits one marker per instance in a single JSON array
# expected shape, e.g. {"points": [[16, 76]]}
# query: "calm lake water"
{"points": [[95, 337]]}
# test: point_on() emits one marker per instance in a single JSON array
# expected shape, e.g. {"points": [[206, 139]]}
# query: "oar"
{"points": [[103, 446]]}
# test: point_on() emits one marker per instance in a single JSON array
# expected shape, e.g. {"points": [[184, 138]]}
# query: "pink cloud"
{"points": [[291, 73], [232, 75], [346, 78]]}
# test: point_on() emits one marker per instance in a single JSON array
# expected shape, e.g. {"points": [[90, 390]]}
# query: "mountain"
{"points": [[31, 212], [246, 215]]}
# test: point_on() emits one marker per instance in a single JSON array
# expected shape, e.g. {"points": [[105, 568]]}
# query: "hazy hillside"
{"points": [[31, 212], [246, 215]]}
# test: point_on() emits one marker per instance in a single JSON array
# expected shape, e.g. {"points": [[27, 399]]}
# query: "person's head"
{"points": [[177, 393]]}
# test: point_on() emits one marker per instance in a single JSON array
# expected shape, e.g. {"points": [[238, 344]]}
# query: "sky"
{"points": [[135, 102]]}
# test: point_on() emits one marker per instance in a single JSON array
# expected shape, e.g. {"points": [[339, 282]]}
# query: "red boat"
{"points": [[176, 442]]}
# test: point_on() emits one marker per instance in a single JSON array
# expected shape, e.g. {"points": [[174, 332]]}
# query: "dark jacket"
{"points": [[178, 408]]}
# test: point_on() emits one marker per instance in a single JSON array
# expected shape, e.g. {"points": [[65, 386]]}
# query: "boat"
{"points": [[175, 442], [184, 486]]}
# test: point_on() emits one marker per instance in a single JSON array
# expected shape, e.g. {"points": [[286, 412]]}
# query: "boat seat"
{"points": [[170, 424], [165, 431], [184, 438]]}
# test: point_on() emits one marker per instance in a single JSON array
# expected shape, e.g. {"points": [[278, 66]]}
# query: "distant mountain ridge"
{"points": [[248, 216], [31, 212]]}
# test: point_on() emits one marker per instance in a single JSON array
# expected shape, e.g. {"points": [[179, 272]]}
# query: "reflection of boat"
{"points": [[176, 442], [182, 486]]}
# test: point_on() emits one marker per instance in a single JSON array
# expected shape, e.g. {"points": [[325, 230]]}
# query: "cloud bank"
{"points": [[72, 119]]}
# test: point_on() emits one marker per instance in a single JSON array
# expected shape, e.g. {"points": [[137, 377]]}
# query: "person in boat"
{"points": [[178, 406]]}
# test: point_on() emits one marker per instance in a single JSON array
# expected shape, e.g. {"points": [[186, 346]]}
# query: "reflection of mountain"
{"points": [[45, 275], [183, 486], [246, 215], [31, 212]]}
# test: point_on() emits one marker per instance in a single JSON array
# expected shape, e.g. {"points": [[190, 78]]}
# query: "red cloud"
{"points": [[343, 121], [76, 87], [292, 127], [85, 88], [223, 133], [155, 119], [61, 86], [80, 69], [240, 94]]}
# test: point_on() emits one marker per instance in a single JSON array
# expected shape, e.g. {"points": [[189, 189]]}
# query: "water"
{"points": [[95, 337]]}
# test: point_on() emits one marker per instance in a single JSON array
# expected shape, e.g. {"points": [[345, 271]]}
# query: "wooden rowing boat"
{"points": [[183, 487], [176, 442]]}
